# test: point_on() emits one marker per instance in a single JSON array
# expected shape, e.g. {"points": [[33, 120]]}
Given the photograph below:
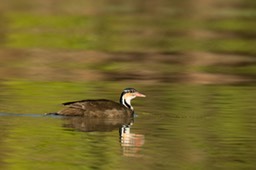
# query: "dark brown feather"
{"points": [[100, 108]]}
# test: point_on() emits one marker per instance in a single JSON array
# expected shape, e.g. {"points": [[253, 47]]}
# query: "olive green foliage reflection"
{"points": [[132, 27], [195, 123]]}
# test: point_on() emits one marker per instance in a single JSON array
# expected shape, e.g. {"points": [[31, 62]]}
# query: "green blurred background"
{"points": [[93, 46], [182, 41]]}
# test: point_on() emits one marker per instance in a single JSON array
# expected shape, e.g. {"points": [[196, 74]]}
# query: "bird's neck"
{"points": [[126, 101]]}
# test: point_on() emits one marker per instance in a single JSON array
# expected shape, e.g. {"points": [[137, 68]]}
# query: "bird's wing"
{"points": [[83, 104], [74, 102]]}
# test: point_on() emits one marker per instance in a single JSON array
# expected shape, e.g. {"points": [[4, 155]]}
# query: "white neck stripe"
{"points": [[127, 102]]}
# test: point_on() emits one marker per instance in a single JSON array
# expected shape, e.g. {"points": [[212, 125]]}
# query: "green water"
{"points": [[194, 60], [177, 127]]}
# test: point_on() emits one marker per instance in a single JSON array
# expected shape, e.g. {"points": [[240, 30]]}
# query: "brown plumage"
{"points": [[102, 108], [95, 108]]}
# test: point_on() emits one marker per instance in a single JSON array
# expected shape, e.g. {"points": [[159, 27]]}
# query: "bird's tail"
{"points": [[51, 113]]}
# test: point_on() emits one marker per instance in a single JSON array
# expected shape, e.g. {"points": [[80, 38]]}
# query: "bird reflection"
{"points": [[131, 143], [90, 125]]}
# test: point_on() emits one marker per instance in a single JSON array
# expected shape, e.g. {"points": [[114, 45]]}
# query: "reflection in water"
{"points": [[209, 129], [130, 142], [90, 125]]}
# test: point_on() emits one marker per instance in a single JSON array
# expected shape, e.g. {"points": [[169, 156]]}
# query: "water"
{"points": [[177, 127], [194, 60]]}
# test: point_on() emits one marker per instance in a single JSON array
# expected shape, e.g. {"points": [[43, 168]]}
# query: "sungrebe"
{"points": [[102, 108]]}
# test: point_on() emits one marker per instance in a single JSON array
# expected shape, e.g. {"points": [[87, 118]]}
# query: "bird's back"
{"points": [[100, 108]]}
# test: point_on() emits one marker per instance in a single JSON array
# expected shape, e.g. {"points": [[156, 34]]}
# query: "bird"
{"points": [[102, 108]]}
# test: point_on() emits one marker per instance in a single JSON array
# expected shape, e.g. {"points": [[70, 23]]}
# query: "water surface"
{"points": [[177, 126]]}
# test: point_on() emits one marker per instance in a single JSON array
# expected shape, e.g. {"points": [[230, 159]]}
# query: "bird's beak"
{"points": [[140, 94]]}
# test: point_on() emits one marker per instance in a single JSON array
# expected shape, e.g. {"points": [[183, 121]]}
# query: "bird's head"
{"points": [[127, 95]]}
